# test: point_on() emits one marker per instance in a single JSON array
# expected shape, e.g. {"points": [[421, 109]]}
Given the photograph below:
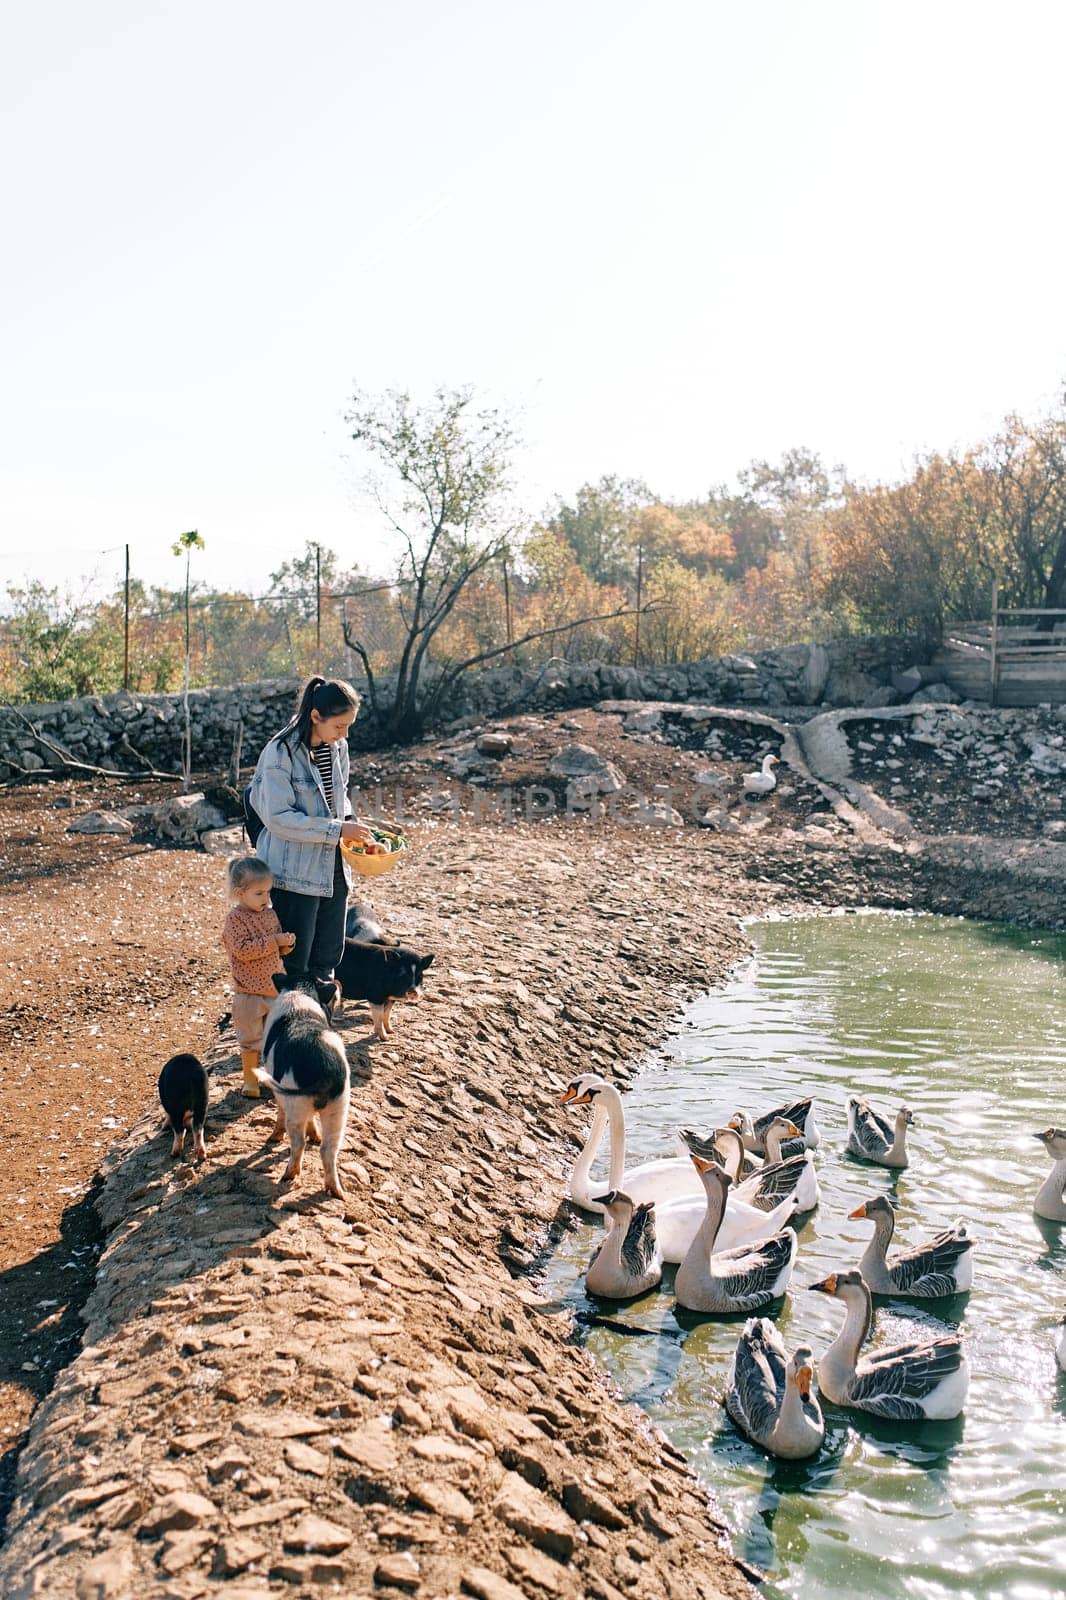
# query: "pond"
{"points": [[964, 1022]]}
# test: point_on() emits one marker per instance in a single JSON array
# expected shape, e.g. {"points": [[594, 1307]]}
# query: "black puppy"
{"points": [[183, 1096], [380, 974], [306, 1069]]}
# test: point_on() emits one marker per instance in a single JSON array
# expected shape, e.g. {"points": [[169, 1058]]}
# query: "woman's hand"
{"points": [[356, 833]]}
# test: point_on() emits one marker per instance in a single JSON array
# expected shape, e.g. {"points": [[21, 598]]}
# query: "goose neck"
{"points": [[898, 1148], [703, 1243], [843, 1353], [1049, 1200], [792, 1423]]}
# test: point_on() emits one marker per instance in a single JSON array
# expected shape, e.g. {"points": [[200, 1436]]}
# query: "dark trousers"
{"points": [[318, 923]]}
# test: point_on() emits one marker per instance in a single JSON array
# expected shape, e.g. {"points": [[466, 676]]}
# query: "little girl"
{"points": [[255, 943]]}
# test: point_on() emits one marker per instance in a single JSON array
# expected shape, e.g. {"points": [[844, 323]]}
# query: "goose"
{"points": [[724, 1281], [677, 1222], [905, 1381], [763, 781], [679, 1210], [769, 1395], [629, 1261], [872, 1138], [801, 1112], [926, 1271], [706, 1144], [665, 1179], [768, 1185], [1050, 1202], [1060, 1349]]}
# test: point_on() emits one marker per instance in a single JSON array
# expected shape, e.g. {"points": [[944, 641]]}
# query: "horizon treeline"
{"points": [[795, 551]]}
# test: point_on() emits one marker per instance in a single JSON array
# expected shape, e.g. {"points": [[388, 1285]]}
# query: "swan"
{"points": [[768, 1185], [629, 1261], [905, 1381], [769, 1394], [873, 1138], [926, 1271], [678, 1211], [1050, 1202], [801, 1112], [665, 1179], [723, 1281], [763, 781]]}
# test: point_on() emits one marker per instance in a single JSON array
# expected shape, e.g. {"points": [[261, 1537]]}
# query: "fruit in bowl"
{"points": [[379, 855]]}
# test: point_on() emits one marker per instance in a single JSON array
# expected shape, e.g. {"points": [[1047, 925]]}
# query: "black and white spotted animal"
{"points": [[306, 1069]]}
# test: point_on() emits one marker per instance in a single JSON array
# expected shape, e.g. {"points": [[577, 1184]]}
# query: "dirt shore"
{"points": [[278, 1393]]}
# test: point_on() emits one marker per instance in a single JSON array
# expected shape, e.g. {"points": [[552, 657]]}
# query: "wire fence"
{"points": [[54, 646]]}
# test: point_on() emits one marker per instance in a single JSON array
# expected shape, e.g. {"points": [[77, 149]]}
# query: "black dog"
{"points": [[380, 974], [183, 1096], [306, 1069], [361, 923]]}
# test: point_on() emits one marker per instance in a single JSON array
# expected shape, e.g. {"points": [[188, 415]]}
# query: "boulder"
{"points": [[225, 841], [934, 693], [657, 814], [470, 767], [496, 745], [849, 687], [815, 674], [581, 760], [185, 817], [100, 822], [643, 722], [1046, 760], [908, 681]]}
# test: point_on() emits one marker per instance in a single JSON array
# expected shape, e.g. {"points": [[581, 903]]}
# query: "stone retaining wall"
{"points": [[131, 731]]}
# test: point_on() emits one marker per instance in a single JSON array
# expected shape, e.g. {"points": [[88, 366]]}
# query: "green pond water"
{"points": [[966, 1023]]}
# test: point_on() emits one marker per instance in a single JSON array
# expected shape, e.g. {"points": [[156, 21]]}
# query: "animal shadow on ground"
{"points": [[40, 1322]]}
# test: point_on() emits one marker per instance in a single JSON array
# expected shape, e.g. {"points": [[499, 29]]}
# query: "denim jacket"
{"points": [[300, 834]]}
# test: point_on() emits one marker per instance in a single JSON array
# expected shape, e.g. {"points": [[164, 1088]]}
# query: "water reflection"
{"points": [[963, 1022]]}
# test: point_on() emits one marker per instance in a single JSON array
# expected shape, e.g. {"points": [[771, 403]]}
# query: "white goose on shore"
{"points": [[1060, 1348], [928, 1378], [1050, 1202], [769, 1394], [629, 1261], [763, 781], [873, 1138], [723, 1281], [942, 1266]]}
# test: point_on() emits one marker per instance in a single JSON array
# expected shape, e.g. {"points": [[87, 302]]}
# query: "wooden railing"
{"points": [[1009, 643]]}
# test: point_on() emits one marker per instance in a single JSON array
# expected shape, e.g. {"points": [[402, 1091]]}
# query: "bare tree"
{"points": [[442, 482]]}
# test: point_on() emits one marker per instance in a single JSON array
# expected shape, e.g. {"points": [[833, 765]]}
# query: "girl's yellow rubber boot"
{"points": [[249, 1062]]}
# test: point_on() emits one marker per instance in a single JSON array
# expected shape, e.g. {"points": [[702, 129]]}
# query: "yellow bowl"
{"points": [[373, 866]]}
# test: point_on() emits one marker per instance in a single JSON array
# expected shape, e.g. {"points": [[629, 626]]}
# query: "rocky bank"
{"points": [[281, 1394]]}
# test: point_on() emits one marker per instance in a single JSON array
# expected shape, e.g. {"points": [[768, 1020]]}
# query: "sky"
{"points": [[672, 239]]}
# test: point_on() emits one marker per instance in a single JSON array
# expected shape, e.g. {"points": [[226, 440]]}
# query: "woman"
{"points": [[300, 791]]}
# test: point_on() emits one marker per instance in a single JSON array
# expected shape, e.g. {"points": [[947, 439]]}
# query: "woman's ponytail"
{"points": [[330, 697]]}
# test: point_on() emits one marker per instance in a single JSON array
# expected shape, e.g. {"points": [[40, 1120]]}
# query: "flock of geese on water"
{"points": [[720, 1213]]}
